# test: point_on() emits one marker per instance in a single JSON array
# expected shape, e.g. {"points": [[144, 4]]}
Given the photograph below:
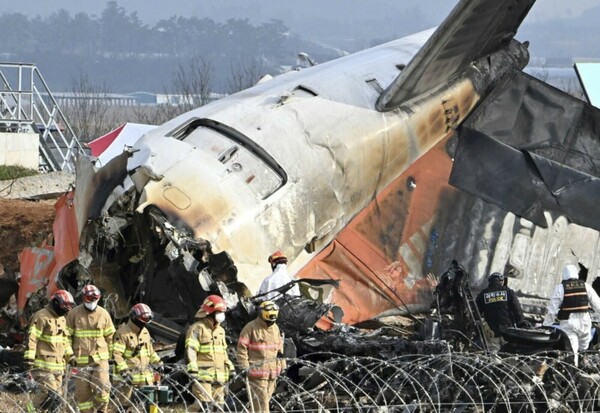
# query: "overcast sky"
{"points": [[152, 10], [357, 24]]}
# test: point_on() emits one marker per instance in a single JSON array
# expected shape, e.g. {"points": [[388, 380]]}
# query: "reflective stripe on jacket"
{"points": [[258, 347], [206, 351], [575, 298], [48, 343], [91, 334], [133, 351]]}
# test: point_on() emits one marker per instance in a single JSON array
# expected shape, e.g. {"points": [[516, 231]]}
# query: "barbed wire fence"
{"points": [[327, 382]]}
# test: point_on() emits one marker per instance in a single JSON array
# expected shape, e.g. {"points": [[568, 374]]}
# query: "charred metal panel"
{"points": [[527, 114], [94, 187], [498, 173], [542, 154]]}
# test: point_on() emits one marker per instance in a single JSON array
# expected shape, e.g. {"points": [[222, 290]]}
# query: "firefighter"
{"points": [[500, 308], [571, 302], [259, 350], [91, 330], [134, 354], [278, 277], [206, 353], [48, 347]]}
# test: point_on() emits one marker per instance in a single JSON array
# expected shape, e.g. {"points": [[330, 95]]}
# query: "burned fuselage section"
{"points": [[287, 165]]}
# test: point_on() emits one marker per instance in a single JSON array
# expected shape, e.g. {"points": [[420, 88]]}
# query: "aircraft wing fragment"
{"points": [[474, 29], [530, 147]]}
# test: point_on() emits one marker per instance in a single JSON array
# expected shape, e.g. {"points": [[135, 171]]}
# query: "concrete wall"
{"points": [[20, 149]]}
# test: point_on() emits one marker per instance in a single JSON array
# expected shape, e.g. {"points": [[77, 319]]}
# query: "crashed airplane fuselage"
{"points": [[288, 163], [351, 168]]}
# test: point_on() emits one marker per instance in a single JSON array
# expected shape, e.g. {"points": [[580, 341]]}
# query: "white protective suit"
{"points": [[278, 278], [579, 325]]}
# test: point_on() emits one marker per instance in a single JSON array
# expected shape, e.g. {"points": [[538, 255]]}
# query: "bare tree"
{"points": [[154, 114], [89, 112], [190, 88], [192, 83], [92, 116], [244, 74]]}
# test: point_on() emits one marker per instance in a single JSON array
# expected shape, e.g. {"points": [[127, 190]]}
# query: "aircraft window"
{"points": [[241, 156]]}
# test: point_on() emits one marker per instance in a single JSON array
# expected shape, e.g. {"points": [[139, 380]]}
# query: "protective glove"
{"points": [[238, 381], [160, 369], [27, 364], [229, 366], [127, 377], [73, 361], [524, 324]]}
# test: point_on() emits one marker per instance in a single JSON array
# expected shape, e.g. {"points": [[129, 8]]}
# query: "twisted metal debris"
{"points": [[451, 382]]}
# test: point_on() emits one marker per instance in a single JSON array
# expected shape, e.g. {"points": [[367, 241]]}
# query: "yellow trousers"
{"points": [[92, 387], [260, 391], [46, 380]]}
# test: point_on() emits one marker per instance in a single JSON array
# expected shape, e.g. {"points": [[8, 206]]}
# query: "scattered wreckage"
{"points": [[431, 363]]}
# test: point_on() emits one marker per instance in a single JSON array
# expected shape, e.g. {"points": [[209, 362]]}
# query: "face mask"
{"points": [[220, 317], [91, 306]]}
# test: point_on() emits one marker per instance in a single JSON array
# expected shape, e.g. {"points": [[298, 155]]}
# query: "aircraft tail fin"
{"points": [[475, 28]]}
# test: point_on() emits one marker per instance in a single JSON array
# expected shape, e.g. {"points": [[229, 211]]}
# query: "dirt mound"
{"points": [[23, 224]]}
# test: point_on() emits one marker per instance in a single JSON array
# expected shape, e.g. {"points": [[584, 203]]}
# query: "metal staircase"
{"points": [[27, 105]]}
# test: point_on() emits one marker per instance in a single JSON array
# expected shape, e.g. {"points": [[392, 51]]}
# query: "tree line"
{"points": [[118, 48], [116, 52]]}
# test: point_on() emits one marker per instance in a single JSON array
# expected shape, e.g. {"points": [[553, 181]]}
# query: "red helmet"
{"points": [[63, 300], [141, 312], [90, 293], [277, 257], [213, 303]]}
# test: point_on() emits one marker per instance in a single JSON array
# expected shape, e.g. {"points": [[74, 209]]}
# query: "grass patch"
{"points": [[15, 171]]}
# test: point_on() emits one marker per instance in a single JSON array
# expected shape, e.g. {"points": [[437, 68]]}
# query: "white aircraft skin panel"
{"points": [[330, 79]]}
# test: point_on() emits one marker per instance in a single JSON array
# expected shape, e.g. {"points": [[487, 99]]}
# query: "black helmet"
{"points": [[62, 302], [496, 276]]}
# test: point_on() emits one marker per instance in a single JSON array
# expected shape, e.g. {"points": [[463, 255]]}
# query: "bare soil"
{"points": [[23, 224]]}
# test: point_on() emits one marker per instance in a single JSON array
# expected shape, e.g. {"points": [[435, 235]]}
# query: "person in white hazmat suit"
{"points": [[278, 278], [571, 302]]}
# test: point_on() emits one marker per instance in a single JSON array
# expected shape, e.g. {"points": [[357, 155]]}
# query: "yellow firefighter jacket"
{"points": [[257, 349], [133, 351], [206, 351], [91, 334], [49, 343]]}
